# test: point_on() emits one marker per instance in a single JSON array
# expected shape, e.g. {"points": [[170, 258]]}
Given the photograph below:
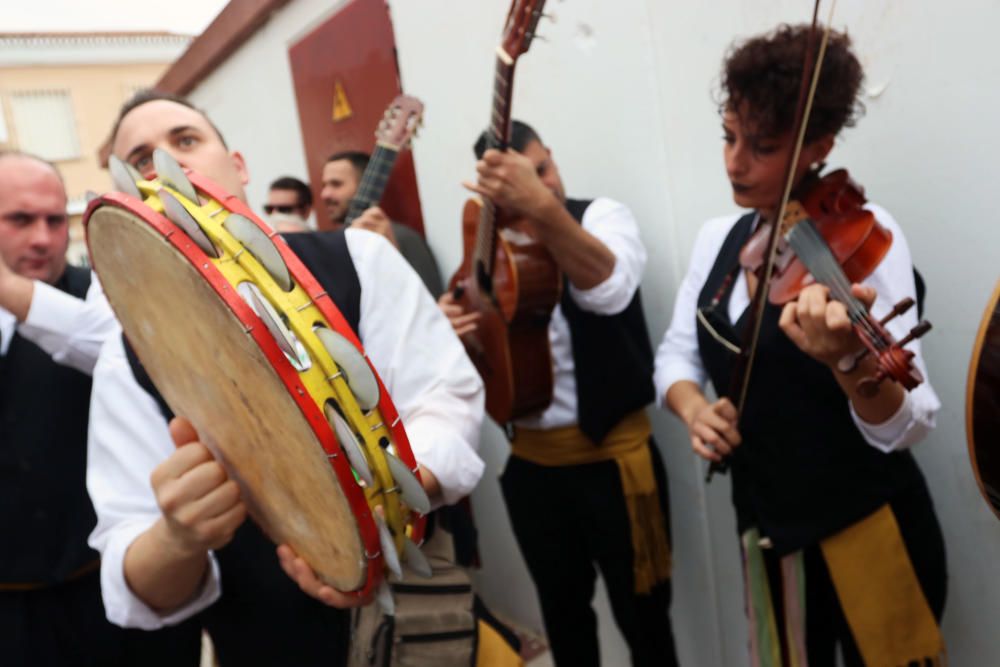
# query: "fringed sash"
{"points": [[880, 594], [626, 444]]}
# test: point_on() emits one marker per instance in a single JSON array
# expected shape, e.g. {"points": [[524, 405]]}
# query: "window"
{"points": [[44, 124], [4, 138]]}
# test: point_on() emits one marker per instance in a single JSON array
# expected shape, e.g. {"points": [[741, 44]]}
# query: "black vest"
{"points": [[262, 617], [804, 471], [612, 356], [47, 514]]}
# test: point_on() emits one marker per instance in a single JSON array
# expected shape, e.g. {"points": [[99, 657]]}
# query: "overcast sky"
{"points": [[179, 16]]}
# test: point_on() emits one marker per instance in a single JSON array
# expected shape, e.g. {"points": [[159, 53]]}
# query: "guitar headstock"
{"points": [[399, 124], [522, 21]]}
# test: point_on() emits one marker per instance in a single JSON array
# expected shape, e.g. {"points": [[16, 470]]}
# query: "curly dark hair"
{"points": [[761, 77]]}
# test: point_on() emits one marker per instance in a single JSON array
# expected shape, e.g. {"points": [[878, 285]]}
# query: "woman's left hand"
{"points": [[820, 326]]}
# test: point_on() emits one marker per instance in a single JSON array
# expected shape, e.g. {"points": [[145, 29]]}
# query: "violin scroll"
{"points": [[893, 361]]}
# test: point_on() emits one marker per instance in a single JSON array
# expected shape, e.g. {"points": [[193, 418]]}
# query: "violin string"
{"points": [[816, 255], [827, 271], [856, 309]]}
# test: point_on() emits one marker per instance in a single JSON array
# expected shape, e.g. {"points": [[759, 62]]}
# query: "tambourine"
{"points": [[241, 339]]}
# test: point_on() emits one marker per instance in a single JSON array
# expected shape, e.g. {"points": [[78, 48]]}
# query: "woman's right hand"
{"points": [[713, 430]]}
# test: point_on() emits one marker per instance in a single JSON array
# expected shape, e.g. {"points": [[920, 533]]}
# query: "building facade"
{"points": [[60, 93]]}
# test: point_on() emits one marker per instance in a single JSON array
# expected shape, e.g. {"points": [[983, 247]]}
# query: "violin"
{"points": [[827, 236]]}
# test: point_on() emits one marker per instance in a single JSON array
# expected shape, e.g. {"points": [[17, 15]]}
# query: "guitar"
{"points": [[982, 398], [398, 125], [506, 275]]}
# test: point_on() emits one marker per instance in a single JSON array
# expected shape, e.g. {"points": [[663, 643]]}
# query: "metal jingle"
{"points": [[171, 173], [181, 217], [384, 598], [416, 559], [410, 487], [133, 172], [122, 177], [269, 316], [389, 553], [349, 443], [352, 364], [260, 245]]}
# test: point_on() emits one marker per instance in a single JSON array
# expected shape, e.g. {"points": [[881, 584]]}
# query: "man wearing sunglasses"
{"points": [[289, 205]]}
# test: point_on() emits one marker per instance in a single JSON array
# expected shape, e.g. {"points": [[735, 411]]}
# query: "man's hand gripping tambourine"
{"points": [[242, 340]]}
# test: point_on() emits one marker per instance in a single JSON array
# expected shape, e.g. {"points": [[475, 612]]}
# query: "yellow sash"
{"points": [[628, 445], [882, 599]]}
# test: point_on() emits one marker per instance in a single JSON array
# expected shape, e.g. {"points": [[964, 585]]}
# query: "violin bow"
{"points": [[807, 92]]}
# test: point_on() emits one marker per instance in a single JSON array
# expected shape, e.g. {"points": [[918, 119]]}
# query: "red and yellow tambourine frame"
{"points": [[302, 308]]}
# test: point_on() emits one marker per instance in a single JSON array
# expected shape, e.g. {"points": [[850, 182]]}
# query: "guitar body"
{"points": [[510, 347], [982, 404]]}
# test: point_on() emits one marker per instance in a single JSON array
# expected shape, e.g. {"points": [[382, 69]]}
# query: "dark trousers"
{"points": [[567, 519], [65, 626], [826, 625]]}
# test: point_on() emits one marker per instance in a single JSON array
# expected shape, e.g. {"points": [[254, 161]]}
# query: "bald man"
{"points": [[53, 320]]}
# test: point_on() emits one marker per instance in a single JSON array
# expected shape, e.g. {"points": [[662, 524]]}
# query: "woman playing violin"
{"points": [[839, 537]]}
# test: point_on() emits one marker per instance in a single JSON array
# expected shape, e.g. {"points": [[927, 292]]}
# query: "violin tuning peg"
{"points": [[849, 362], [916, 332], [897, 310], [868, 387]]}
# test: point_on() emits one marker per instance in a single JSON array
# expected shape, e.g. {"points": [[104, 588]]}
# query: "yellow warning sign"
{"points": [[341, 107]]}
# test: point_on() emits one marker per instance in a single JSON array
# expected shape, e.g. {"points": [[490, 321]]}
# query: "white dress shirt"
{"points": [[433, 384], [69, 329], [678, 357], [613, 225]]}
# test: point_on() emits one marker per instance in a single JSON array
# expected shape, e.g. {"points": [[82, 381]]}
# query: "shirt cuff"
{"points": [[891, 434], [124, 608], [609, 297], [454, 463], [51, 309], [669, 373]]}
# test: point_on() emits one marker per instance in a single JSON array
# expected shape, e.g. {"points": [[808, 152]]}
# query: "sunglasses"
{"points": [[282, 208]]}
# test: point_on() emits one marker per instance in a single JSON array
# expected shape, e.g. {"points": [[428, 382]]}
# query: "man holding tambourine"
{"points": [[172, 525]]}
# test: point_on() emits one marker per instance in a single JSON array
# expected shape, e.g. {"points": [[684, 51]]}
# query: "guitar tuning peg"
{"points": [[551, 17], [535, 36]]}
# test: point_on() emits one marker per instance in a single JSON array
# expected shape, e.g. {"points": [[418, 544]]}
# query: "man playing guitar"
{"points": [[584, 482]]}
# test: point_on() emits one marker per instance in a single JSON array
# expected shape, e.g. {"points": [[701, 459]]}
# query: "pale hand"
{"points": [[461, 321], [819, 326], [713, 430], [299, 571], [375, 220], [510, 181], [201, 506]]}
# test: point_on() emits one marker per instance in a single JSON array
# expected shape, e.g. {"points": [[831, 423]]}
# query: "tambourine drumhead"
{"points": [[221, 379]]}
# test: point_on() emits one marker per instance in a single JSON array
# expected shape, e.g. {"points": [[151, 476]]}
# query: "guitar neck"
{"points": [[499, 138], [373, 181]]}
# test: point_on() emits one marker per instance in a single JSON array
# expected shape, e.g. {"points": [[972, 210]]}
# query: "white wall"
{"points": [[622, 92]]}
